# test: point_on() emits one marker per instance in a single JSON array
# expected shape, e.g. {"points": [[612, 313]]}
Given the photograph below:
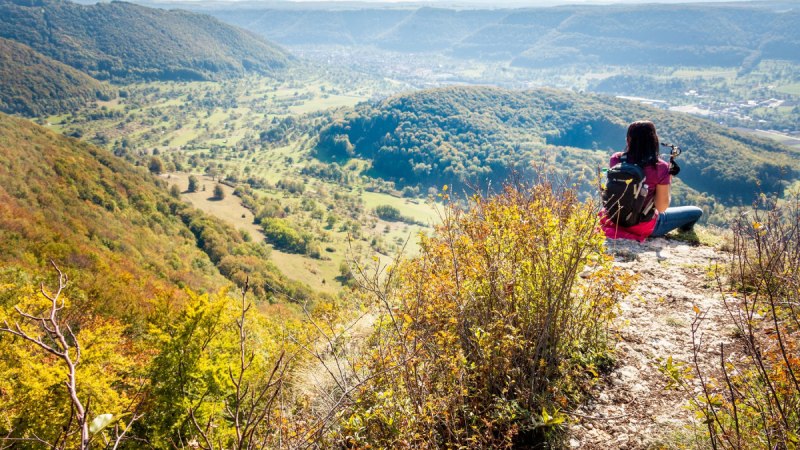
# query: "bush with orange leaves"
{"points": [[489, 337], [753, 399]]}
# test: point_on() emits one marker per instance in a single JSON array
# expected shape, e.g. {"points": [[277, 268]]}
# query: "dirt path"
{"points": [[631, 409]]}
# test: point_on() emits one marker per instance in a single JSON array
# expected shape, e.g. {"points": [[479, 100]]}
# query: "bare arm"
{"points": [[662, 197]]}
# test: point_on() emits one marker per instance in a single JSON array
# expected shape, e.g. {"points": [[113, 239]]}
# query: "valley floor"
{"points": [[632, 408], [231, 210]]}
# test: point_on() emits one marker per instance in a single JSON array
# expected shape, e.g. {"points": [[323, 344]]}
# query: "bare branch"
{"points": [[13, 441], [119, 437], [203, 434], [49, 324]]}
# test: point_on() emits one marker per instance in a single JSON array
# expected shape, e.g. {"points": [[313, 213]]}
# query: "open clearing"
{"points": [[317, 274], [229, 209], [793, 89], [720, 72], [783, 138]]}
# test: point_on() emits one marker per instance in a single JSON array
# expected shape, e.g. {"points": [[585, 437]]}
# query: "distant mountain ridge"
{"points": [[120, 41], [35, 85], [480, 135], [735, 34]]}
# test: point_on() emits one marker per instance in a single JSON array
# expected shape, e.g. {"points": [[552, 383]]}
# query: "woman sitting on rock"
{"points": [[658, 219]]}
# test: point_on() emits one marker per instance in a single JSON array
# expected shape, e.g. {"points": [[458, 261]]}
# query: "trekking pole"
{"points": [[674, 152]]}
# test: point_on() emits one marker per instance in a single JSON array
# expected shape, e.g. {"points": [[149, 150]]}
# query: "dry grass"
{"points": [[229, 209]]}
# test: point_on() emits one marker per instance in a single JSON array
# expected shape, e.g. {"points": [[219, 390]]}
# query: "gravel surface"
{"points": [[631, 408]]}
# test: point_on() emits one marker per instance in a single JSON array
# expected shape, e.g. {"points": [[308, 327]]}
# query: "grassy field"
{"points": [[230, 208], [319, 274], [793, 89], [213, 131], [419, 210], [725, 73], [784, 139]]}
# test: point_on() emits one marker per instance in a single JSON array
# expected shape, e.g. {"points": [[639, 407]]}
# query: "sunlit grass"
{"points": [[712, 72], [793, 89]]}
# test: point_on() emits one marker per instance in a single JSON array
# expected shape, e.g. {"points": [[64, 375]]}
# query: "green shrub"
{"points": [[219, 193], [388, 213], [283, 236], [155, 165], [192, 183]]}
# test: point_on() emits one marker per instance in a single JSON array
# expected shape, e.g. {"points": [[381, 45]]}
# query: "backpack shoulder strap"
{"points": [[623, 158]]}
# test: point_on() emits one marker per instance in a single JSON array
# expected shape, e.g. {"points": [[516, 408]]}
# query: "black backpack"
{"points": [[625, 194]]}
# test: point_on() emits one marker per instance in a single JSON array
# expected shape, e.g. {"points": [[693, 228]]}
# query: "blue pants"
{"points": [[683, 217]]}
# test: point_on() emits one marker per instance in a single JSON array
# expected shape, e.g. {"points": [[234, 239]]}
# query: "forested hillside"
{"points": [[121, 40], [480, 134], [35, 85], [735, 35], [119, 236]]}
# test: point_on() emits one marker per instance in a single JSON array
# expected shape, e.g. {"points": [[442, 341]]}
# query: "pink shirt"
{"points": [[653, 175]]}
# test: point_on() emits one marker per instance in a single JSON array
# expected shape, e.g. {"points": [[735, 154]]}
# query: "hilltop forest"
{"points": [[35, 85], [124, 236], [121, 40], [55, 51], [481, 135]]}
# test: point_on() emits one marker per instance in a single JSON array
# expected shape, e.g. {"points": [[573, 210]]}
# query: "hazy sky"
{"points": [[455, 2], [349, 4], [515, 2]]}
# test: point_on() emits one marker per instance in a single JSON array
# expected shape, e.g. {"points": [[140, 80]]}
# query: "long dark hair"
{"points": [[642, 143]]}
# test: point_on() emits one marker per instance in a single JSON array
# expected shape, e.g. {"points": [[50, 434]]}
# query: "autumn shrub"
{"points": [[213, 372], [37, 384], [216, 377], [752, 400], [488, 337]]}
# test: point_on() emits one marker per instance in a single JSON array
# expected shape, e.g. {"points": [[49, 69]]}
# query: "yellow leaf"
{"points": [[696, 309]]}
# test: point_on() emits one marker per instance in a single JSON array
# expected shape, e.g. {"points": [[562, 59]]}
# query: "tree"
{"points": [[330, 221], [388, 213], [175, 191], [285, 237], [192, 183], [155, 165], [216, 380], [55, 342], [345, 274], [59, 341], [219, 193]]}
